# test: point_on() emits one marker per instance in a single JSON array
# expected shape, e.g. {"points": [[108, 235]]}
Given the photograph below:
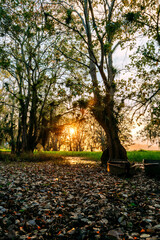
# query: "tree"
{"points": [[28, 56], [4, 126], [100, 29], [7, 111], [146, 61]]}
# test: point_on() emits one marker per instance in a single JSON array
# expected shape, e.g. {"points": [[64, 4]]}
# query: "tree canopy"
{"points": [[146, 62]]}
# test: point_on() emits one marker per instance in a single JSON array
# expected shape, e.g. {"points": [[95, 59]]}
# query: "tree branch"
{"points": [[75, 30], [97, 33], [119, 42], [110, 9], [8, 104], [74, 60]]}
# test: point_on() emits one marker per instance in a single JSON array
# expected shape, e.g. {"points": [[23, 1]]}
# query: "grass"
{"points": [[138, 156], [89, 155], [5, 150], [133, 156], [27, 157]]}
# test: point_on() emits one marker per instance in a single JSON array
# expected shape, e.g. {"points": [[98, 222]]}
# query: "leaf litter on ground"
{"points": [[76, 199]]}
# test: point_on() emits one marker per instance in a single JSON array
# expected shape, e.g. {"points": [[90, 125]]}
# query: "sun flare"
{"points": [[72, 131]]}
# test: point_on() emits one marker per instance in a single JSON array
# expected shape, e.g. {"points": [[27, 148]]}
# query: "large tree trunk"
{"points": [[104, 114], [105, 117], [103, 109], [55, 144], [24, 147]]}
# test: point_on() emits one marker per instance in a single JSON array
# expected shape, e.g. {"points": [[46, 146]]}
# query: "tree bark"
{"points": [[24, 130], [103, 109], [18, 142], [108, 121], [104, 113], [32, 134], [12, 132]]}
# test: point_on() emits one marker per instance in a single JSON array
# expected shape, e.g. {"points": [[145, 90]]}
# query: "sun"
{"points": [[72, 131]]}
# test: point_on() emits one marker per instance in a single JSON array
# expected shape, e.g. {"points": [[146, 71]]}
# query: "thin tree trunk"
{"points": [[32, 134], [18, 142], [24, 131], [12, 132], [55, 146]]}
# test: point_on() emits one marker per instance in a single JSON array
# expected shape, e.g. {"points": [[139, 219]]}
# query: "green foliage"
{"points": [[5, 18], [4, 61], [49, 26], [33, 66], [112, 28], [27, 15], [83, 103], [132, 16], [69, 16], [151, 129], [107, 48], [5, 126], [17, 29], [69, 83], [146, 61]]}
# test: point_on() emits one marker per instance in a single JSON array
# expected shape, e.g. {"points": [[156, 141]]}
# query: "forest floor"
{"points": [[76, 199]]}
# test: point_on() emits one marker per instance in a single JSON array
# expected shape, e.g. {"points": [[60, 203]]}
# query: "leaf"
{"points": [[21, 210]]}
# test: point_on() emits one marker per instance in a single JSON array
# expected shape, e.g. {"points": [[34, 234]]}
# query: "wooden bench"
{"points": [[152, 167], [118, 167]]}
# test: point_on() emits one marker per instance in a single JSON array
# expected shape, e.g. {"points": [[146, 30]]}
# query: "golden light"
{"points": [[108, 168], [72, 131]]}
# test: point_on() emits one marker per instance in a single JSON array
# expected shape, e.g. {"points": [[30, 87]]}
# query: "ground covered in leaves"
{"points": [[76, 200]]}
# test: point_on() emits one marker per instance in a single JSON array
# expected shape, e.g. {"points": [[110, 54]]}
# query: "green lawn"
{"points": [[90, 155], [4, 150], [138, 156], [133, 156]]}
